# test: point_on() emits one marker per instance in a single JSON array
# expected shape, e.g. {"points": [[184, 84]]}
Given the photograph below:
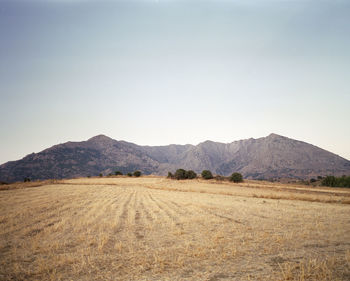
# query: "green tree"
{"points": [[118, 173], [137, 174], [190, 174], [101, 175], [207, 175], [236, 177], [170, 175], [332, 181], [180, 174], [329, 181], [129, 174]]}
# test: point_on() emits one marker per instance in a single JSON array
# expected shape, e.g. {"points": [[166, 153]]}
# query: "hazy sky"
{"points": [[161, 72]]}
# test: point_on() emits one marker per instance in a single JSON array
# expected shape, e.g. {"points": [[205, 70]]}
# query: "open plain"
{"points": [[152, 228]]}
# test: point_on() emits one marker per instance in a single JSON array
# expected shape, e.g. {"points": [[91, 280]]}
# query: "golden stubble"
{"points": [[152, 228]]}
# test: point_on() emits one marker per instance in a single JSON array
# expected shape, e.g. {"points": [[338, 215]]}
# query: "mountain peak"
{"points": [[275, 136], [206, 142], [272, 135], [273, 156], [100, 138]]}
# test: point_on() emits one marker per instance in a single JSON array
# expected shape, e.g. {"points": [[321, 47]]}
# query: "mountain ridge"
{"points": [[273, 156]]}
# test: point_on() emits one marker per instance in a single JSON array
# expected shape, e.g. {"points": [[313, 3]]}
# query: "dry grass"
{"points": [[250, 188], [156, 229], [20, 185]]}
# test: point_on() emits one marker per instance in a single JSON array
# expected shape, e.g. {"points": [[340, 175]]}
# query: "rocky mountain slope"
{"points": [[273, 156]]}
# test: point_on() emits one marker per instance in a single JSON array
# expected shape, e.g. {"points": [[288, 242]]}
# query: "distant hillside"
{"points": [[76, 159], [273, 156]]}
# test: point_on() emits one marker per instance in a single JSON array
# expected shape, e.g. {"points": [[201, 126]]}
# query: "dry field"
{"points": [[153, 228]]}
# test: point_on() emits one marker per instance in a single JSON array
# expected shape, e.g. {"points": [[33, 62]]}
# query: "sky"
{"points": [[162, 72]]}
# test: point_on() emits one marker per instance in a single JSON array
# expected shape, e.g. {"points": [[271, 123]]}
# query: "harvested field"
{"points": [[153, 228]]}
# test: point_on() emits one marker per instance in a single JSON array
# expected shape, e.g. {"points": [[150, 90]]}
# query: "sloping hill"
{"points": [[74, 159], [277, 156], [273, 156]]}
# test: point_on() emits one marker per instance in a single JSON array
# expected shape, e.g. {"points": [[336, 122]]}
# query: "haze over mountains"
{"points": [[268, 157]]}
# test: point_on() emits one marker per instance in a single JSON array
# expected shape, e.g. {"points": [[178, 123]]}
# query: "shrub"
{"points": [[137, 174], [207, 175], [129, 174], [101, 175], [118, 173], [313, 180], [236, 177], [26, 179], [190, 174], [180, 174], [332, 181], [329, 181]]}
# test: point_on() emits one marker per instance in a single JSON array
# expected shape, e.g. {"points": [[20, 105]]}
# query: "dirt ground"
{"points": [[151, 228]]}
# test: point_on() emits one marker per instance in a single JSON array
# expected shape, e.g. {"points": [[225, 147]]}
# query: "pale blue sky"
{"points": [[161, 72]]}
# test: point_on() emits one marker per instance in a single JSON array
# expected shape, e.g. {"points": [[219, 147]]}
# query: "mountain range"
{"points": [[268, 157]]}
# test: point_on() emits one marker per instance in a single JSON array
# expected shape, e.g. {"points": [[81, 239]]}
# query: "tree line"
{"points": [[129, 174], [333, 181], [182, 174]]}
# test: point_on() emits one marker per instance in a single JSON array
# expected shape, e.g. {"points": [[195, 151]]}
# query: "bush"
{"points": [[129, 174], [101, 175], [180, 174], [207, 175], [332, 181], [190, 175], [313, 180], [236, 177], [137, 174], [26, 179], [329, 181], [118, 173]]}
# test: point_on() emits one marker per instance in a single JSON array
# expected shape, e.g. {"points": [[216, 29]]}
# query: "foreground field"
{"points": [[159, 229]]}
